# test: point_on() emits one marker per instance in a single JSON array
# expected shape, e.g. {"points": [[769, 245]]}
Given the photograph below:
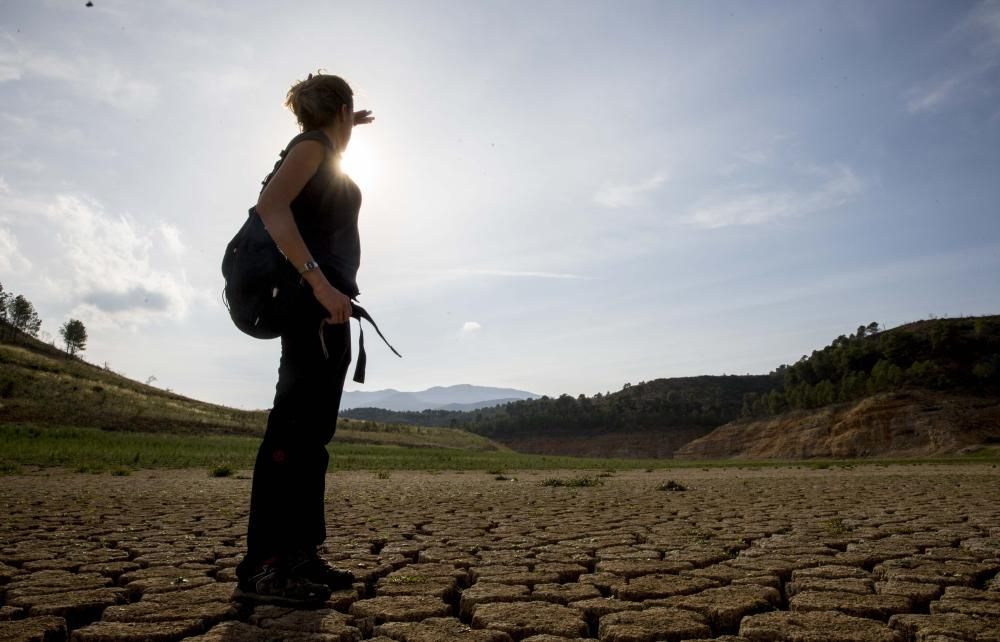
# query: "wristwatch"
{"points": [[309, 266]]}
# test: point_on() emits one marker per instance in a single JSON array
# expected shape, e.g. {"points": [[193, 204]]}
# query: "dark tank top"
{"points": [[326, 213]]}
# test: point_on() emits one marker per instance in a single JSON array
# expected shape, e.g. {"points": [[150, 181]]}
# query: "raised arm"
{"points": [[274, 208]]}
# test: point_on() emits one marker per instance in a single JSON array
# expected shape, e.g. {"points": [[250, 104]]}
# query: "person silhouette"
{"points": [[310, 208]]}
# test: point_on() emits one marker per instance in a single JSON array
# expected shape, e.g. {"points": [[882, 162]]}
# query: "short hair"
{"points": [[316, 100]]}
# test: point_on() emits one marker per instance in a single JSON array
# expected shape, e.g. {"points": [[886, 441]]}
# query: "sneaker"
{"points": [[310, 566], [280, 585]]}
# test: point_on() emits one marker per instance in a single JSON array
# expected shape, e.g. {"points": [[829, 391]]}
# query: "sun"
{"points": [[359, 163]]}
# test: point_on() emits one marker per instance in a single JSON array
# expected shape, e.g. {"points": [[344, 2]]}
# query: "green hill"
{"points": [[40, 385], [911, 383], [648, 419], [656, 418], [923, 389], [943, 355]]}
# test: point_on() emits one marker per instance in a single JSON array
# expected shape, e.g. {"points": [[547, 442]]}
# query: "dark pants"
{"points": [[289, 476]]}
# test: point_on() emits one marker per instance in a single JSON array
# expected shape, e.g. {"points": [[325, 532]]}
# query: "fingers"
{"points": [[337, 305], [341, 315]]}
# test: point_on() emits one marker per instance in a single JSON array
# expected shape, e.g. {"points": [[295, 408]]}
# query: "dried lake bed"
{"points": [[894, 553]]}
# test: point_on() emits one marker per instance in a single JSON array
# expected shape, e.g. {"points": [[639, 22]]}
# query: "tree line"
{"points": [[684, 402], [939, 354], [942, 354], [18, 315]]}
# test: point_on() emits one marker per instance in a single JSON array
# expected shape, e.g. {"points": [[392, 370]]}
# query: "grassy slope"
{"points": [[56, 410], [52, 388], [94, 450], [90, 449], [41, 386]]}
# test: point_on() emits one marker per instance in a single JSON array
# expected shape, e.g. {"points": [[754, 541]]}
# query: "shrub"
{"points": [[836, 526], [224, 469], [671, 485]]}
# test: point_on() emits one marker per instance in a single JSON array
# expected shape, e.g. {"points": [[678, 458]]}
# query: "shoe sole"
{"points": [[240, 595]]}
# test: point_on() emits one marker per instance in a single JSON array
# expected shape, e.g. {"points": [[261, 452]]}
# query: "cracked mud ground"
{"points": [[800, 554]]}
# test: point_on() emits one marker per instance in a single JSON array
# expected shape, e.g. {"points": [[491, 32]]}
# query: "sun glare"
{"points": [[358, 162]]}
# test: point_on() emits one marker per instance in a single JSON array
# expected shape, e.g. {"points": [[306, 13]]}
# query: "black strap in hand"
{"points": [[360, 313]]}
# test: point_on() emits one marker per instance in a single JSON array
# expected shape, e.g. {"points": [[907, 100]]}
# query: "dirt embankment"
{"points": [[909, 424]]}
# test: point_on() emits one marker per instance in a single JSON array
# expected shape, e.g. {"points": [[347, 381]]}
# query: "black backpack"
{"points": [[260, 282]]}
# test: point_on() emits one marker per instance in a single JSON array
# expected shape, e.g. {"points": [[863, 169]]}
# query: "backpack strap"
{"points": [[358, 313], [312, 134]]}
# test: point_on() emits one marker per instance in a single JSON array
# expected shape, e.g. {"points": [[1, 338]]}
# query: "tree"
{"points": [[21, 314], [75, 335], [4, 302]]}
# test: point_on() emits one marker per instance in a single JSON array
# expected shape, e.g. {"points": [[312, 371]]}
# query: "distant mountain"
{"points": [[479, 405], [462, 397]]}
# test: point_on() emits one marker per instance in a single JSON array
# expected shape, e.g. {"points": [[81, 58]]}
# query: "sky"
{"points": [[559, 196]]}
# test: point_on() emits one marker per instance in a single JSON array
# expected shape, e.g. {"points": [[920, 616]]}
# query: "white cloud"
{"points": [[8, 71], [836, 186], [108, 270], [171, 237], [91, 76], [514, 273], [470, 326], [11, 259], [110, 258], [765, 149], [931, 95], [978, 38], [627, 195], [985, 19]]}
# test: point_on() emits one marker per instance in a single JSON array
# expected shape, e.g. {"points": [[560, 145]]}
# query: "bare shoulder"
{"points": [[300, 163], [305, 151]]}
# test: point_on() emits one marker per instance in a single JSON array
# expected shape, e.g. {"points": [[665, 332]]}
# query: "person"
{"points": [[310, 208]]}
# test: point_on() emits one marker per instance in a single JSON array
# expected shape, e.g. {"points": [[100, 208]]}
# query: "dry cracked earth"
{"points": [[798, 554]]}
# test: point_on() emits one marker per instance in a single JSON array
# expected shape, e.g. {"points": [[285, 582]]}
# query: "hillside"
{"points": [[925, 388], [918, 423], [648, 419], [41, 385], [928, 387], [946, 355]]}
